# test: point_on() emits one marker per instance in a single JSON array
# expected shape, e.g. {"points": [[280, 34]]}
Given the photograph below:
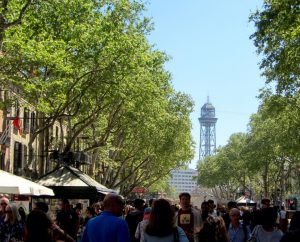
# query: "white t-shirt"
{"points": [[265, 236]]}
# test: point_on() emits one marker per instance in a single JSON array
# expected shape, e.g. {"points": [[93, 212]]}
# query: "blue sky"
{"points": [[208, 41]]}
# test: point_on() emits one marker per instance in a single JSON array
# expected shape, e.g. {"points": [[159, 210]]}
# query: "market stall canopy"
{"points": [[12, 184], [245, 201], [67, 181]]}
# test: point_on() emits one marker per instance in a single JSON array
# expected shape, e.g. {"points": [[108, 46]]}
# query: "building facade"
{"points": [[24, 151], [184, 180]]}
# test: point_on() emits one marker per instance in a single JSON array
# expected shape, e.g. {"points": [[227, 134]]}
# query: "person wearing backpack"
{"points": [[237, 232]]}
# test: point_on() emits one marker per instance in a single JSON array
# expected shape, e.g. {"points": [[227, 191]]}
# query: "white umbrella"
{"points": [[12, 184]]}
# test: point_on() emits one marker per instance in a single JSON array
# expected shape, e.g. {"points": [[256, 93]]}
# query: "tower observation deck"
{"points": [[207, 130]]}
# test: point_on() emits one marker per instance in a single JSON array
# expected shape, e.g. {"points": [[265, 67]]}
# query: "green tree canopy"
{"points": [[277, 38], [88, 65]]}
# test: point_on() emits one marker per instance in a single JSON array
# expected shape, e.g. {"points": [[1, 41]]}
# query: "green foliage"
{"points": [[228, 168], [277, 38], [88, 65], [263, 158]]}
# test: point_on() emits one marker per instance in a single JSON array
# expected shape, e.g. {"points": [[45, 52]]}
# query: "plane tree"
{"points": [[277, 38], [70, 60], [88, 66], [226, 171], [273, 144]]}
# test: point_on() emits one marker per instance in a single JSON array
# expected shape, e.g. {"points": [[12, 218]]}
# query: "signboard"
{"points": [[139, 190]]}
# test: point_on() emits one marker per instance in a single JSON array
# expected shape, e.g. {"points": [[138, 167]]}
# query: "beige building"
{"points": [[23, 152]]}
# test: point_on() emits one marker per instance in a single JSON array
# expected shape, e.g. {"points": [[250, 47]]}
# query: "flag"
{"points": [[17, 124]]}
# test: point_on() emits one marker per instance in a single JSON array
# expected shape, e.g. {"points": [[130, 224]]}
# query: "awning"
{"points": [[12, 184], [67, 181], [244, 200]]}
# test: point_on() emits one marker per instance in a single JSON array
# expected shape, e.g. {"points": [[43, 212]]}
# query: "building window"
{"points": [[26, 120], [2, 160], [32, 122], [18, 164], [56, 133]]}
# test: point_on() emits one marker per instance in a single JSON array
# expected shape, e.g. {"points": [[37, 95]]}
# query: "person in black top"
{"points": [[68, 219], [204, 210], [134, 217], [293, 235], [226, 217]]}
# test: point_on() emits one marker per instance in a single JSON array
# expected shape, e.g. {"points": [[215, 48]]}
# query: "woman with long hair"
{"points": [[161, 226], [12, 227], [213, 230]]}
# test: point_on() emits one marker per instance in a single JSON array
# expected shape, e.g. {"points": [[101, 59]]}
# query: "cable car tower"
{"points": [[207, 130]]}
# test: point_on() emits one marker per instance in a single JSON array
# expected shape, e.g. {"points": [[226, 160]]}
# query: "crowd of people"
{"points": [[112, 220], [161, 221]]}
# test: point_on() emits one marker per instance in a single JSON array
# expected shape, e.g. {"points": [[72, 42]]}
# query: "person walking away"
{"points": [[257, 213], [237, 232], [108, 227], [188, 218], [161, 226], [213, 230], [267, 232], [283, 221], [38, 227], [139, 233], [134, 217], [293, 233], [12, 228]]}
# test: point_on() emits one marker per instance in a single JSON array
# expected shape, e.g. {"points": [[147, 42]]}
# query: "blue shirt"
{"points": [[106, 228], [238, 235]]}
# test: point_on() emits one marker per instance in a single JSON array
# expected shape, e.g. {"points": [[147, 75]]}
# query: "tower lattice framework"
{"points": [[208, 122]]}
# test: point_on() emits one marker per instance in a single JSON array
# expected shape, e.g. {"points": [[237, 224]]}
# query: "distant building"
{"points": [[184, 180]]}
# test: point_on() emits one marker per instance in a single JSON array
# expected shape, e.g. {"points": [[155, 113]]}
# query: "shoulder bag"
{"points": [[254, 234]]}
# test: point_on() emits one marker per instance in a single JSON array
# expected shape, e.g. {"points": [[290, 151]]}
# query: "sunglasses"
{"points": [[3, 203]]}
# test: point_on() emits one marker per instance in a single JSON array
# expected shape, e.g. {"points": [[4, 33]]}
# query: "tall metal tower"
{"points": [[207, 130]]}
